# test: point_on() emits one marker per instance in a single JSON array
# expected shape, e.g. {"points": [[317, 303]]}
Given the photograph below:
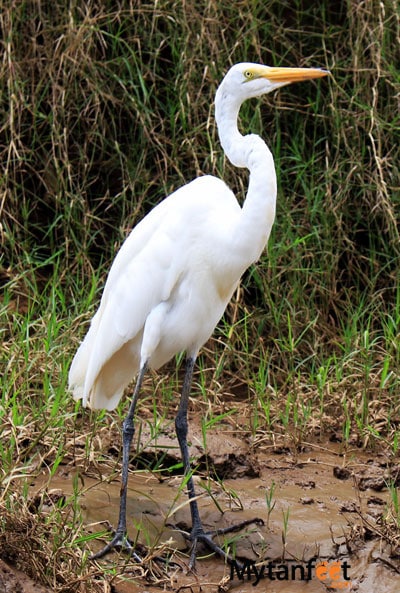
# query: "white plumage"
{"points": [[166, 290]]}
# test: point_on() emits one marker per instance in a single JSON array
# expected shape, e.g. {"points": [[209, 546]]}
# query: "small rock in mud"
{"points": [[377, 484], [231, 466], [307, 500], [341, 473], [306, 484], [348, 506], [375, 500]]}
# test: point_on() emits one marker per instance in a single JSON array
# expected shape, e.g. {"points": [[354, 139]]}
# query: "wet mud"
{"points": [[311, 503]]}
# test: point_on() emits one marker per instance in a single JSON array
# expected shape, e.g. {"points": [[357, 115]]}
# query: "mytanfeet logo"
{"points": [[333, 573]]}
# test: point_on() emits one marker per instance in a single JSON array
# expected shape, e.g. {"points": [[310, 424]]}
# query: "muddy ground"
{"points": [[326, 504]]}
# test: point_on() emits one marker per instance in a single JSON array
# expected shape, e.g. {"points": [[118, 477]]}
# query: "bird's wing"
{"points": [[141, 277]]}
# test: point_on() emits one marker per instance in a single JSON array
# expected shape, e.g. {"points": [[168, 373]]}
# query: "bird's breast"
{"points": [[193, 310]]}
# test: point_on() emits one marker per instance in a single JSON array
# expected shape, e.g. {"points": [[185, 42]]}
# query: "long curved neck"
{"points": [[258, 211]]}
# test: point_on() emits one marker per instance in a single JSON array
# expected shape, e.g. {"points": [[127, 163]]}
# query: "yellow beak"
{"points": [[292, 74]]}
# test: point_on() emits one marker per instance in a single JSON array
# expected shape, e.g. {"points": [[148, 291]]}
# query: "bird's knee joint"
{"points": [[181, 424], [128, 429]]}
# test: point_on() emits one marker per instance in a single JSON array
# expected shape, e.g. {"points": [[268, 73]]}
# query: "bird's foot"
{"points": [[198, 535], [119, 542]]}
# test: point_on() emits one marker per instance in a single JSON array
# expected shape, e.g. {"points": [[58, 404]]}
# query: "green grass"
{"points": [[104, 111]]}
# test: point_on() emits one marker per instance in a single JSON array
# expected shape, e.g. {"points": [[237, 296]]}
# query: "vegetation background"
{"points": [[106, 107]]}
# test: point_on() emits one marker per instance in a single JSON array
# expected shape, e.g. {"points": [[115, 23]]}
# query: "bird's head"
{"points": [[246, 80]]}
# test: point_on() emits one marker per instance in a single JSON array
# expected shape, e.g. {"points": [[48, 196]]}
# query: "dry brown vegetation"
{"points": [[105, 107]]}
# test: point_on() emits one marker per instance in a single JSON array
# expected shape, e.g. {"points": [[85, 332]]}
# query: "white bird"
{"points": [[175, 274]]}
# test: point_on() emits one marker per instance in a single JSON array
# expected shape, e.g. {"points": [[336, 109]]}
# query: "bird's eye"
{"points": [[248, 74]]}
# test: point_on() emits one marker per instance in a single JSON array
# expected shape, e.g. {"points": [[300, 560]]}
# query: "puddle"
{"points": [[318, 502]]}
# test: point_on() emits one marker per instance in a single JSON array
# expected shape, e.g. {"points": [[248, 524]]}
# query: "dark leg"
{"points": [[120, 539], [181, 425]]}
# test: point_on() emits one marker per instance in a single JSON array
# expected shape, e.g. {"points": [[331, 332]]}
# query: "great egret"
{"points": [[175, 274]]}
